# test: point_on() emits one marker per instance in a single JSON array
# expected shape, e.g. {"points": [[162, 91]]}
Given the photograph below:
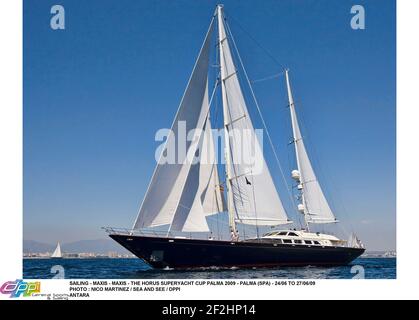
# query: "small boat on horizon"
{"points": [[57, 254]]}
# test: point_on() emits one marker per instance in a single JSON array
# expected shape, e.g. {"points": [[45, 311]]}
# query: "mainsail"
{"points": [[316, 207], [57, 253], [253, 197], [177, 189]]}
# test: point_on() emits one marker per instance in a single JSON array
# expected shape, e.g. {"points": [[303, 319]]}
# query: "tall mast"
{"points": [[223, 75], [296, 139]]}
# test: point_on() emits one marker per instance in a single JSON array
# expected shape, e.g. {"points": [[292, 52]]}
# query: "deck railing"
{"points": [[161, 234]]}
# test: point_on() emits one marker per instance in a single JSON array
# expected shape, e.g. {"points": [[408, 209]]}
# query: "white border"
{"points": [[407, 163], [407, 145], [11, 140]]}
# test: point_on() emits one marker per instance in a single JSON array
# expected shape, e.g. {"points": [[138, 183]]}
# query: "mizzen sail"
{"points": [[316, 207]]}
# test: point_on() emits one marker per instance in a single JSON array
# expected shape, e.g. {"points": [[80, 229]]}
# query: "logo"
{"points": [[20, 287]]}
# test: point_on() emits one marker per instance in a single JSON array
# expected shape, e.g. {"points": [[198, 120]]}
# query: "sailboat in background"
{"points": [[181, 196], [57, 254]]}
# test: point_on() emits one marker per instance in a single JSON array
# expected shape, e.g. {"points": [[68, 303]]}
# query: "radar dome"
{"points": [[295, 174]]}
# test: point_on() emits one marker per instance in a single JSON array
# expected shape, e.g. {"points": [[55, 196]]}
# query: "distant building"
{"points": [[87, 255], [82, 255], [390, 254]]}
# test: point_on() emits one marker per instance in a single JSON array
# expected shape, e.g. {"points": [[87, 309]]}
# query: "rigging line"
{"points": [[231, 164], [212, 96], [277, 75], [228, 34], [294, 195], [256, 42], [239, 194], [260, 114], [216, 109], [227, 138]]}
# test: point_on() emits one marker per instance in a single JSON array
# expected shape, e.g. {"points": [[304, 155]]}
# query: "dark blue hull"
{"points": [[192, 253]]}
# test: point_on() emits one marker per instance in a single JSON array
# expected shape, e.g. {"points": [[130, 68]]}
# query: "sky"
{"points": [[96, 92]]}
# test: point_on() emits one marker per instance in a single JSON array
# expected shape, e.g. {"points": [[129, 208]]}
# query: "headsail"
{"points": [[316, 207], [201, 194], [171, 184], [254, 199]]}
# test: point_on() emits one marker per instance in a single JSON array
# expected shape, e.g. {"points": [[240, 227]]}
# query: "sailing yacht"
{"points": [[57, 254], [181, 196]]}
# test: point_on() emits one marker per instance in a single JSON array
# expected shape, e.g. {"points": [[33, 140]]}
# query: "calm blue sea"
{"points": [[372, 268]]}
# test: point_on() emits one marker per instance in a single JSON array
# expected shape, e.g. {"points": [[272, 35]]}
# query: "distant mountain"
{"points": [[99, 246], [30, 246]]}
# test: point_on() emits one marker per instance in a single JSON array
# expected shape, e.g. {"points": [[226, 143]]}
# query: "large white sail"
{"points": [[316, 207], [57, 252], [166, 199], [253, 196]]}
